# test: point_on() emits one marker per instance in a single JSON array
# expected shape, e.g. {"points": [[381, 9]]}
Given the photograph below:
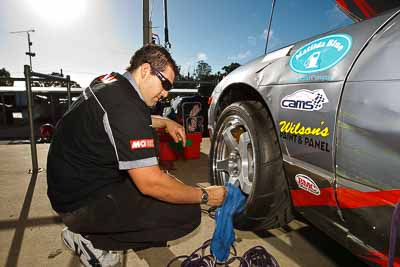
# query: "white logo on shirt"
{"points": [[141, 144]]}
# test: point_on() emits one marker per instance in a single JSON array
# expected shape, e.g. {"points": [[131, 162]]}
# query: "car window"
{"points": [[295, 20]]}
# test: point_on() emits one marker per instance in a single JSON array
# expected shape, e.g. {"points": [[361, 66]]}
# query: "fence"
{"points": [[29, 78]]}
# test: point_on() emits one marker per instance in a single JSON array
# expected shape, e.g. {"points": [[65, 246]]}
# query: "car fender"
{"points": [[250, 76]]}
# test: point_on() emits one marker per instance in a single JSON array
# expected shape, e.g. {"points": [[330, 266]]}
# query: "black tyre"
{"points": [[245, 151]]}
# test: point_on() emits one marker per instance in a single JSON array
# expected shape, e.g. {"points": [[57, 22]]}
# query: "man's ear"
{"points": [[145, 70]]}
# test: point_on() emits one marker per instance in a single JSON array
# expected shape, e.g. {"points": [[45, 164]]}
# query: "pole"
{"points": [[269, 25], [167, 44], [27, 73], [4, 115], [69, 90], [30, 53], [146, 24], [29, 49]]}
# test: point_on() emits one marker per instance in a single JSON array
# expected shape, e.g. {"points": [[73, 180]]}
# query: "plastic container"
{"points": [[192, 149], [169, 150], [166, 151]]}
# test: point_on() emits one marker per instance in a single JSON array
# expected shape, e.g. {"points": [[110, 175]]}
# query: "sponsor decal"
{"points": [[305, 100], [141, 144], [321, 54], [109, 78], [306, 183], [298, 129], [313, 77], [306, 141]]}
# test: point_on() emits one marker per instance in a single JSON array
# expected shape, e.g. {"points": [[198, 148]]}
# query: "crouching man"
{"points": [[102, 170]]}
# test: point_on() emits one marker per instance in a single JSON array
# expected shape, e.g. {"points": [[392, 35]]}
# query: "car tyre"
{"points": [[245, 151]]}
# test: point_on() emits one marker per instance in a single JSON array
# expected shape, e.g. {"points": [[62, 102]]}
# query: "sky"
{"points": [[87, 38]]}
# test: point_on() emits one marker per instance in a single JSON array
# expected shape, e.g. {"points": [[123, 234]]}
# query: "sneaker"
{"points": [[89, 255]]}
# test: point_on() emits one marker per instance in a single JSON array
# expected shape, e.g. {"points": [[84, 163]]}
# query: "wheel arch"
{"points": [[236, 92]]}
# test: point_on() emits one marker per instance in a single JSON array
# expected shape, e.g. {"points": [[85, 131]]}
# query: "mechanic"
{"points": [[102, 170]]}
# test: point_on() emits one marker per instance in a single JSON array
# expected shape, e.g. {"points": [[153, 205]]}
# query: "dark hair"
{"points": [[157, 56]]}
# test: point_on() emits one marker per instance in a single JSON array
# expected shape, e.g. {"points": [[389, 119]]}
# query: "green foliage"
{"points": [[5, 74], [203, 70], [229, 68], [203, 73]]}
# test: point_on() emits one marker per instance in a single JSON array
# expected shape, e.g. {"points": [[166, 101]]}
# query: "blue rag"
{"points": [[224, 235]]}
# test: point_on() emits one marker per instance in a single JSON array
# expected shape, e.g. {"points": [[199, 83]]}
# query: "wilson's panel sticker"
{"points": [[306, 141], [305, 100], [298, 128], [306, 183], [321, 54]]}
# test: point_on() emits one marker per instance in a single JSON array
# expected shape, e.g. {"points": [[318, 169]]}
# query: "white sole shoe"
{"points": [[88, 255]]}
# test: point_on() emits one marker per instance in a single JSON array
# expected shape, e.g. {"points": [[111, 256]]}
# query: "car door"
{"points": [[303, 87], [368, 148]]}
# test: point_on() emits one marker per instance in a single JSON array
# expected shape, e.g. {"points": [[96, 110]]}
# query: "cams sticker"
{"points": [[305, 100], [321, 54], [306, 183]]}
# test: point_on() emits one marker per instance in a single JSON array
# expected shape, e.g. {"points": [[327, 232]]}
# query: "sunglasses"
{"points": [[166, 84]]}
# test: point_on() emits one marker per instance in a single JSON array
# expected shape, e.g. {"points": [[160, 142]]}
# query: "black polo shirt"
{"points": [[106, 131]]}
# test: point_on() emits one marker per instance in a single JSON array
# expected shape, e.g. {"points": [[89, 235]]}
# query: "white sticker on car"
{"points": [[306, 183], [305, 100]]}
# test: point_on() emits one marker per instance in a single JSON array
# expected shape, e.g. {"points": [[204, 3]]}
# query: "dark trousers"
{"points": [[121, 218]]}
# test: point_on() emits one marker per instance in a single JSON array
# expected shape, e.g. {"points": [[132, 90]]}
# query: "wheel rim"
{"points": [[233, 159]]}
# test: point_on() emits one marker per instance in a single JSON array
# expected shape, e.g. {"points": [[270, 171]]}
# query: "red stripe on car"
{"points": [[380, 258], [347, 198], [351, 199], [304, 198]]}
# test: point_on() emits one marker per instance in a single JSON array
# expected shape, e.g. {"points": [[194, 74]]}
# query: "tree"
{"points": [[5, 74], [179, 76], [53, 83], [229, 68], [203, 70]]}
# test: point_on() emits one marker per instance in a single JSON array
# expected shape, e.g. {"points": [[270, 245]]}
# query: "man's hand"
{"points": [[216, 195], [176, 131]]}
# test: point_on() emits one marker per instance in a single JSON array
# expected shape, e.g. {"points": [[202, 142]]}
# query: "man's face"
{"points": [[152, 89]]}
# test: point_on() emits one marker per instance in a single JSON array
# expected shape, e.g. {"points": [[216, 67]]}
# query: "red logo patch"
{"points": [[141, 144], [107, 78]]}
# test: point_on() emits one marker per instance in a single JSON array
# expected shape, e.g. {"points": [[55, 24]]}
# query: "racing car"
{"points": [[313, 128]]}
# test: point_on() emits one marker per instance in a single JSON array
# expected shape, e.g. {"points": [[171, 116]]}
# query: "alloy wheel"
{"points": [[233, 160]]}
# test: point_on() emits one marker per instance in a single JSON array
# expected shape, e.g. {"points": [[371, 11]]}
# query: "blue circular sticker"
{"points": [[321, 54]]}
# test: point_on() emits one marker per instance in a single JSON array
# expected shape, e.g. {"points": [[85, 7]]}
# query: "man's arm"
{"points": [[158, 121], [174, 129], [153, 182]]}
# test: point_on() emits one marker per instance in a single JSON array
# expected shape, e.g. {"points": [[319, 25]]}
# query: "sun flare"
{"points": [[58, 12]]}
